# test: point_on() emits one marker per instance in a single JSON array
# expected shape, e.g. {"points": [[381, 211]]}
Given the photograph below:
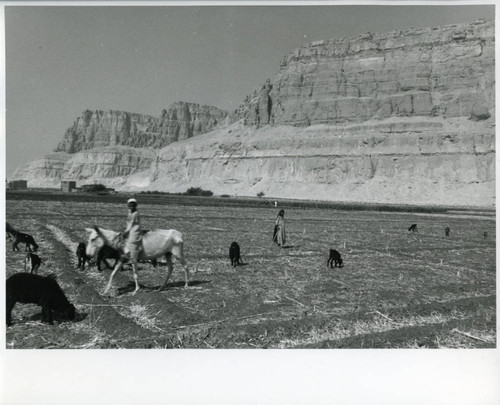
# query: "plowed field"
{"points": [[397, 289]]}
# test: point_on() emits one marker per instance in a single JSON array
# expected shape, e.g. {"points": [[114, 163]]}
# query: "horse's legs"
{"points": [[120, 264], [179, 255], [168, 256], [134, 270], [186, 269]]}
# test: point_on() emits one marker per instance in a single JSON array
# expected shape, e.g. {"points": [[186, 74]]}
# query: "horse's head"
{"points": [[98, 237], [94, 244]]}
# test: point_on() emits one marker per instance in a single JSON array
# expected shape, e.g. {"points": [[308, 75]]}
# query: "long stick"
{"points": [[291, 299], [220, 321], [472, 337], [105, 305], [384, 316]]}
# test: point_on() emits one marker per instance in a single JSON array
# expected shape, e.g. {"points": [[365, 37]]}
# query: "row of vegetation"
{"points": [[159, 198], [194, 191]]}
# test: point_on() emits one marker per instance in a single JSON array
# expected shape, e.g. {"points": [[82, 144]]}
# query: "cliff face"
{"points": [[446, 72], [89, 166], [403, 117], [44, 172], [182, 121], [412, 161], [95, 129], [118, 161]]}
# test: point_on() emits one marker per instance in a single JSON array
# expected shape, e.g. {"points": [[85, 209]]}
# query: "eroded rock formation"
{"points": [[446, 71], [95, 129], [404, 117], [43, 172], [185, 120], [107, 162], [88, 166], [411, 161]]}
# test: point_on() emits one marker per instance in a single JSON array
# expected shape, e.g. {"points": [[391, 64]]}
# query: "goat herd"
{"points": [[30, 287]]}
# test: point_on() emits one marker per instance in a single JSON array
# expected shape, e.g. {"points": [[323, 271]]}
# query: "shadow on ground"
{"points": [[131, 286]]}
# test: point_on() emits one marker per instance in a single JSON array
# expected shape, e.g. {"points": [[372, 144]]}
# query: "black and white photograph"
{"points": [[306, 178]]}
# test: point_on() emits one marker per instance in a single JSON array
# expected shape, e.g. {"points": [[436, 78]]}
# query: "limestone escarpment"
{"points": [[117, 161], [44, 172], [404, 117], [446, 71], [410, 161], [95, 129], [184, 120], [88, 166]]}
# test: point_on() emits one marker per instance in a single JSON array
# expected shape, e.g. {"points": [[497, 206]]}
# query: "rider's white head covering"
{"points": [[132, 200]]}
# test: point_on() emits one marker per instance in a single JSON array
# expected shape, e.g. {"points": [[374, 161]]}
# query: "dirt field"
{"points": [[396, 290]]}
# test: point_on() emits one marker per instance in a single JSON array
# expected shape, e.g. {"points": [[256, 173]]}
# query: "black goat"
{"points": [[107, 252], [11, 232], [29, 288], [234, 254], [334, 257], [413, 228], [34, 261], [81, 255], [21, 237], [447, 231]]}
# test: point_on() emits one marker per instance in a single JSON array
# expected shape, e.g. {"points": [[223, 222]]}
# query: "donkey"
{"points": [[155, 243]]}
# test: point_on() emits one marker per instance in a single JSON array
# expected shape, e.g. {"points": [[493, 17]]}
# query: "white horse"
{"points": [[155, 243]]}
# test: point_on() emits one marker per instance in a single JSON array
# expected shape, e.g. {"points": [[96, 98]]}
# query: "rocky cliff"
{"points": [[404, 117], [412, 161], [44, 172], [95, 129], [446, 72], [183, 120], [89, 166]]}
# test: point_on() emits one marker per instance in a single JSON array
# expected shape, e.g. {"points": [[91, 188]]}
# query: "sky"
{"points": [[62, 60]]}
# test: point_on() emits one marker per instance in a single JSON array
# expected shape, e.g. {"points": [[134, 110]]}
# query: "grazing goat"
{"points": [[11, 232], [234, 254], [413, 228], [156, 243], [81, 255], [24, 238], [447, 231], [34, 289], [34, 261], [107, 252], [334, 257]]}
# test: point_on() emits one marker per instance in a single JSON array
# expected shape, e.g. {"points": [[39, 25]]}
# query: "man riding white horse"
{"points": [[137, 245], [132, 233], [133, 237]]}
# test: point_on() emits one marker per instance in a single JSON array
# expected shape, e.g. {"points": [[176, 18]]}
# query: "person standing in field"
{"points": [[279, 236], [133, 233]]}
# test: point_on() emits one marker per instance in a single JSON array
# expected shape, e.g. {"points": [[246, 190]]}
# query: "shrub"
{"points": [[261, 194], [94, 188], [199, 191], [155, 192]]}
